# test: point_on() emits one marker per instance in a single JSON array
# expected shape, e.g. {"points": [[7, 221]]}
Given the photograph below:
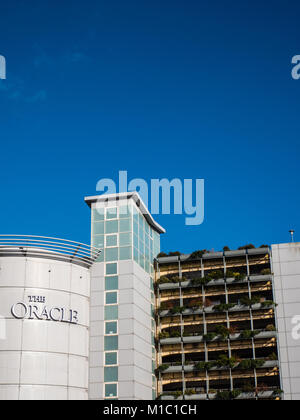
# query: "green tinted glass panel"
{"points": [[111, 240], [111, 358], [111, 297], [125, 239], [98, 228], [125, 253], [98, 214], [136, 255], [111, 268], [112, 213], [110, 312], [111, 254], [125, 225], [100, 258], [135, 241], [111, 327], [111, 342], [111, 283], [110, 374], [110, 390], [98, 241], [111, 226], [124, 212]]}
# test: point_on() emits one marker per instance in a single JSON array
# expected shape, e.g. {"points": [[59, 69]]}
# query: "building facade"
{"points": [[122, 348], [44, 318], [217, 326], [286, 269], [116, 321]]}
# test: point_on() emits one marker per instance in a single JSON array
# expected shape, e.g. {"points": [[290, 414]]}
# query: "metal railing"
{"points": [[48, 247]]}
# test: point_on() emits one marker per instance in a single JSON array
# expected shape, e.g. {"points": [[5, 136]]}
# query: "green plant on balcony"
{"points": [[224, 361], [209, 336], [163, 334], [223, 307], [162, 368], [215, 275], [164, 279], [161, 254], [201, 281], [235, 393], [278, 391], [197, 255], [268, 303], [174, 254], [175, 279], [204, 366], [177, 394], [228, 395], [190, 391], [273, 356], [246, 301], [249, 246], [239, 276], [248, 387], [222, 331], [236, 275], [270, 327], [247, 334], [176, 310], [265, 271], [175, 333]]}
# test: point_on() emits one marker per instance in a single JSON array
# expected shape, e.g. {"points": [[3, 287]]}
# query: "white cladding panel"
{"points": [[286, 268]]}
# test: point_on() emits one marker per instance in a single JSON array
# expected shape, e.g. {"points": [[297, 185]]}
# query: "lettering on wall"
{"points": [[36, 308]]}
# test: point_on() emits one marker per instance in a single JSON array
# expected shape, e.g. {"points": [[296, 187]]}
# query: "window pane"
{"points": [[111, 358], [110, 374], [110, 390], [111, 226], [111, 283], [135, 227], [125, 239], [111, 297], [135, 241], [98, 241], [111, 240], [112, 213], [136, 255], [98, 228], [111, 268], [111, 342], [125, 253], [100, 258], [111, 327], [124, 212], [98, 214], [111, 254], [110, 312], [125, 225]]}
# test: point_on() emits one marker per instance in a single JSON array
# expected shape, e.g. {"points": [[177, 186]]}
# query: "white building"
{"points": [[122, 349], [44, 311]]}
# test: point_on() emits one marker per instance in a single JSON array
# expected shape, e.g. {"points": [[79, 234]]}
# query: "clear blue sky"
{"points": [[185, 89]]}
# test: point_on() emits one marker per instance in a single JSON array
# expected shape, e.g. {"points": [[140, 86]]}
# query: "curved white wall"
{"points": [[40, 358]]}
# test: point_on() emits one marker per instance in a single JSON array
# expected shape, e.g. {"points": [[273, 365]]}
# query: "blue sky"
{"points": [[175, 89]]}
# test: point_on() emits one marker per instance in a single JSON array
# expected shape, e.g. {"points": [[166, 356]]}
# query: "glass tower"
{"points": [[122, 353]]}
